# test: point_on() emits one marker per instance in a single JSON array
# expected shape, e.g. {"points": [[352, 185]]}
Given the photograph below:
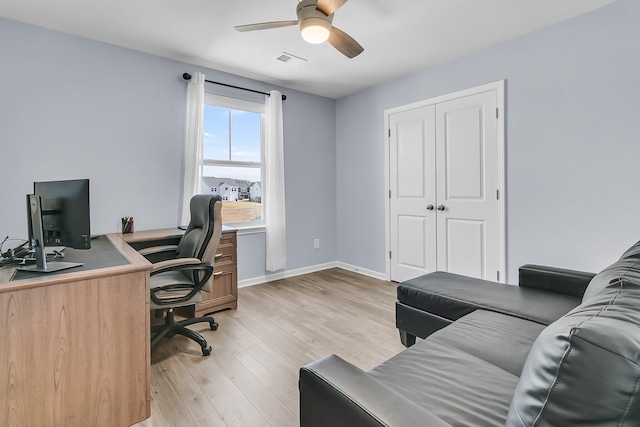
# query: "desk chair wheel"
{"points": [[206, 350], [213, 326]]}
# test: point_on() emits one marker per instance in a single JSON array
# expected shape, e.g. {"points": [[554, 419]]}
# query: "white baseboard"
{"points": [[285, 274], [305, 270], [363, 271]]}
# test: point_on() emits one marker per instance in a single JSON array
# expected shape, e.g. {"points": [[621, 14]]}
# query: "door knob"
{"points": [[440, 207], [429, 207]]}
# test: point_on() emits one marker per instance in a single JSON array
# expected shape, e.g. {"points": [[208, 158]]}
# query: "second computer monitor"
{"points": [[65, 213]]}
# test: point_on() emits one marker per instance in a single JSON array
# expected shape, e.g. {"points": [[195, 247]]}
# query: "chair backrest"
{"points": [[200, 239]]}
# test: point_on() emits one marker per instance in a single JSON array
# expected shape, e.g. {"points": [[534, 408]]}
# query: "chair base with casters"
{"points": [[171, 328]]}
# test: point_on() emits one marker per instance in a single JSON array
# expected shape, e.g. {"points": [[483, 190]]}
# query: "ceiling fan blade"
{"points": [[344, 43], [329, 6], [265, 25]]}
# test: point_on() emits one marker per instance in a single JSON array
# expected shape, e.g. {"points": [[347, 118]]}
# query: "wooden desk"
{"points": [[75, 346], [225, 282]]}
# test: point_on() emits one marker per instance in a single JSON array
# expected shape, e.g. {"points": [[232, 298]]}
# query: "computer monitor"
{"points": [[65, 213], [58, 214]]}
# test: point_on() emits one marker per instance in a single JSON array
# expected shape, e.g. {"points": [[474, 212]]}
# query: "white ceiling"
{"points": [[399, 37]]}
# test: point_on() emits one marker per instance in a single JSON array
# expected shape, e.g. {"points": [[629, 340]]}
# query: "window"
{"points": [[233, 157]]}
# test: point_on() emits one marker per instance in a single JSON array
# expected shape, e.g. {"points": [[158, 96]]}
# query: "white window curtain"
{"points": [[193, 143], [274, 183]]}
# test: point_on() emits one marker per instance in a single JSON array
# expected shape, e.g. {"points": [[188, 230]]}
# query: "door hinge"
{"points": [[498, 276], [497, 194], [497, 113], [389, 193], [389, 133], [389, 254]]}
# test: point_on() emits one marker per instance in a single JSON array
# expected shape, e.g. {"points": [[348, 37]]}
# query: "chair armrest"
{"points": [[175, 264], [335, 393], [202, 272], [559, 280], [159, 253]]}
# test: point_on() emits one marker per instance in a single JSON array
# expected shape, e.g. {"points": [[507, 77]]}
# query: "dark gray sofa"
{"points": [[561, 349], [436, 300]]}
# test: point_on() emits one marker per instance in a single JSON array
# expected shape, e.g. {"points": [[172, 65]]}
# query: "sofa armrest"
{"points": [[560, 280], [334, 393]]}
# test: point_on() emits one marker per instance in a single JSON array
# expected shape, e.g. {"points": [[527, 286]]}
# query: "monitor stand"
{"points": [[49, 267], [35, 219]]}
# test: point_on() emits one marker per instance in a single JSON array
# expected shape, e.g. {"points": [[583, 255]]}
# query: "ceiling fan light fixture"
{"points": [[315, 30], [315, 18]]}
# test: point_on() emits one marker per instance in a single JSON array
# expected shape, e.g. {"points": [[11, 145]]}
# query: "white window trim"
{"points": [[245, 227], [251, 229]]}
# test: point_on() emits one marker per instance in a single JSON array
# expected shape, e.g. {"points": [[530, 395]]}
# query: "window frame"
{"points": [[253, 107]]}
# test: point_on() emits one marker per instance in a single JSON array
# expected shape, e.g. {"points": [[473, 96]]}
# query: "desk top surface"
{"points": [[109, 255], [145, 235], [118, 255], [101, 255], [162, 233]]}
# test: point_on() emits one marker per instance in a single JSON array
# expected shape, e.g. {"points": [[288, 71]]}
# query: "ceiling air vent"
{"points": [[290, 59]]}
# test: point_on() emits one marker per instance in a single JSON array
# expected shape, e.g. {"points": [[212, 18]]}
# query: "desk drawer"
{"points": [[228, 239], [225, 255], [223, 295], [223, 287]]}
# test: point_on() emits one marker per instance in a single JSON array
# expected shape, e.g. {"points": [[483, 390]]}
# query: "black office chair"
{"points": [[179, 278]]}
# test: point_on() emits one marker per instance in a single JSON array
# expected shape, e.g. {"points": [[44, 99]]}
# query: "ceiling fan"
{"points": [[315, 18]]}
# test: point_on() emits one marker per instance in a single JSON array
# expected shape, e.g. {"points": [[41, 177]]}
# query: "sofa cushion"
{"points": [[627, 266], [464, 373], [584, 369], [501, 340], [452, 296], [455, 386]]}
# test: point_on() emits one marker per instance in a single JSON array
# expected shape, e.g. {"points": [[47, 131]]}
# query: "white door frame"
{"points": [[499, 88]]}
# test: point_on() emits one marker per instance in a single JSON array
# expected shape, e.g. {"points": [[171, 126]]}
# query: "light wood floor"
{"points": [[251, 377]]}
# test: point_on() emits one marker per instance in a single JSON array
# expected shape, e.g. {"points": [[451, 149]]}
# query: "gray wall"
{"points": [[75, 108], [573, 142], [71, 107]]}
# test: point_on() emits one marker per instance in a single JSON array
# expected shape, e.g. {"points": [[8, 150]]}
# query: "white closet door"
{"points": [[412, 193], [467, 182], [445, 171]]}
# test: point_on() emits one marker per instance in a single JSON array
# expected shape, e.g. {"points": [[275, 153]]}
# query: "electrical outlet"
{"points": [[316, 243]]}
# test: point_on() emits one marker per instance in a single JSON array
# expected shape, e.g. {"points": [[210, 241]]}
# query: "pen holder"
{"points": [[127, 225]]}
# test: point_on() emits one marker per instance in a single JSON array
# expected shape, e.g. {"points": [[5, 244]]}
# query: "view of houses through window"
{"points": [[232, 157], [242, 199]]}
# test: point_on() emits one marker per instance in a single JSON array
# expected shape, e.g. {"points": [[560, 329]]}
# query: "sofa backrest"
{"points": [[584, 369], [626, 265]]}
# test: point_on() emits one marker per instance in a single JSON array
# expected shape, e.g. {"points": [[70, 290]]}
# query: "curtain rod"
{"points": [[187, 76]]}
